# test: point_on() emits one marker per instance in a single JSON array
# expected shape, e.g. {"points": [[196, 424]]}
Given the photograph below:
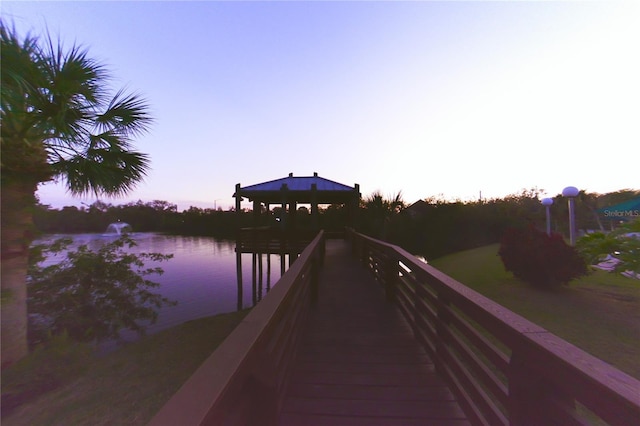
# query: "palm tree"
{"points": [[58, 121], [379, 212]]}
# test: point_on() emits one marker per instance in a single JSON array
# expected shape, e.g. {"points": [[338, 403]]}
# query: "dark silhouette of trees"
{"points": [[435, 227], [431, 228]]}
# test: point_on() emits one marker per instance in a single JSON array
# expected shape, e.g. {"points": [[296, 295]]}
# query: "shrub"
{"points": [[538, 259], [623, 244], [92, 295]]}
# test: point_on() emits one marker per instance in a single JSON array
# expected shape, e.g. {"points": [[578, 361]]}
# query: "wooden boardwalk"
{"points": [[358, 363], [351, 359]]}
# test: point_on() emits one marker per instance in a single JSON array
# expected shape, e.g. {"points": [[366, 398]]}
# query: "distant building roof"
{"points": [[300, 189], [419, 208]]}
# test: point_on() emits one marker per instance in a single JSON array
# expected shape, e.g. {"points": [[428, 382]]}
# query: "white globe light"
{"points": [[570, 191], [546, 201]]}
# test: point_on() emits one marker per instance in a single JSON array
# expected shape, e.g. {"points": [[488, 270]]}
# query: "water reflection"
{"points": [[262, 274], [205, 276]]}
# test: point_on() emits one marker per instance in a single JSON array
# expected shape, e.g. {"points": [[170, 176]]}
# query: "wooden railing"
{"points": [[242, 382], [272, 240], [504, 369]]}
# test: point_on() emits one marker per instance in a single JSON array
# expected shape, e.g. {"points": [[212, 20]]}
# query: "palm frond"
{"points": [[105, 140], [128, 114], [73, 92], [18, 69], [103, 171], [20, 78], [58, 115], [73, 73]]}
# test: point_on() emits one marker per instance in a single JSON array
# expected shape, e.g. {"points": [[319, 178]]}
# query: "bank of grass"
{"points": [[66, 384], [599, 313]]}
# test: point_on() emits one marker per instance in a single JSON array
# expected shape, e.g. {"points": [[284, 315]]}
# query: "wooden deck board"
{"points": [[372, 392], [292, 419], [358, 363]]}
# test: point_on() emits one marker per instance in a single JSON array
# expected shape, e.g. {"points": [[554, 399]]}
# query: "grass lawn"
{"points": [[599, 313], [67, 385]]}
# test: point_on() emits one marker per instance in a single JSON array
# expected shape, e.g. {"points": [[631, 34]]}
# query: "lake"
{"points": [[201, 276]]}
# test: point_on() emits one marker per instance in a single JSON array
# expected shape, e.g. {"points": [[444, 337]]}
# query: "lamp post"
{"points": [[547, 202], [571, 192]]}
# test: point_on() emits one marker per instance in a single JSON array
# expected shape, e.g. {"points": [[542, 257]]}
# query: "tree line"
{"points": [[434, 227], [162, 216], [431, 227]]}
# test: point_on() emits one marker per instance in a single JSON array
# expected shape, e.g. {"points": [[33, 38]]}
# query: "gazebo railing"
{"points": [[272, 240]]}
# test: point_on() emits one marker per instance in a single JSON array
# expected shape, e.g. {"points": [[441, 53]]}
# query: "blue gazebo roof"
{"points": [[299, 183], [299, 188]]}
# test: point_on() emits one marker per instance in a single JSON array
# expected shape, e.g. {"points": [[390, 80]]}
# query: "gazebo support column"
{"points": [[268, 213], [293, 206], [238, 199], [256, 212], [284, 195], [314, 206], [352, 206]]}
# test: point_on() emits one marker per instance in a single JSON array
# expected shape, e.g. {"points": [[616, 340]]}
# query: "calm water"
{"points": [[201, 276]]}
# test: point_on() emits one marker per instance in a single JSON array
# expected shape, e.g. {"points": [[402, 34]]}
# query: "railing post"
{"points": [[355, 246], [314, 278], [441, 326], [364, 255], [254, 277], [414, 310], [317, 260], [351, 237], [258, 407], [391, 276], [531, 398]]}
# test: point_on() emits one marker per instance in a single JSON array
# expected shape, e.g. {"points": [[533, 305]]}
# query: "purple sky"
{"points": [[427, 98]]}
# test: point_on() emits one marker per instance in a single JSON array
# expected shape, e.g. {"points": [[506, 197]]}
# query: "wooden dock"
{"points": [[364, 333], [358, 363]]}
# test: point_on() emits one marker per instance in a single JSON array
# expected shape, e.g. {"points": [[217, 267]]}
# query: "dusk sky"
{"points": [[428, 98]]}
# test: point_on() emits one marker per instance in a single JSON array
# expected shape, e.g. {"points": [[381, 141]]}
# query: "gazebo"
{"points": [[290, 191]]}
